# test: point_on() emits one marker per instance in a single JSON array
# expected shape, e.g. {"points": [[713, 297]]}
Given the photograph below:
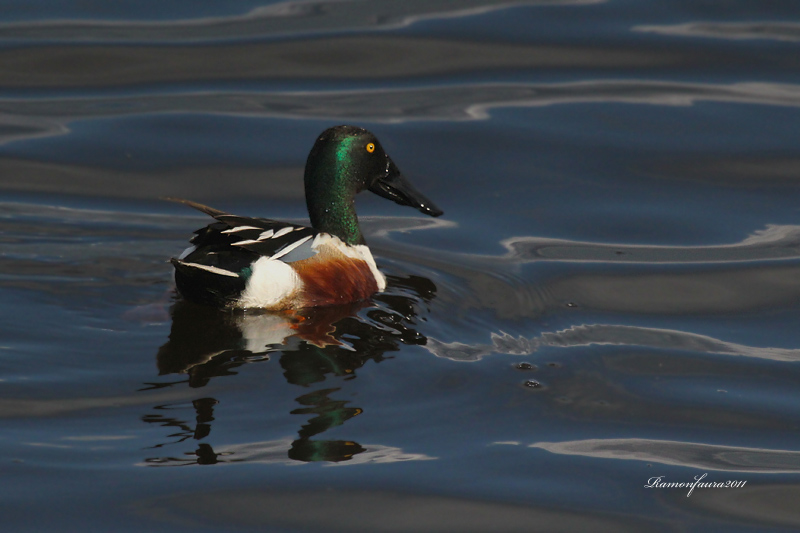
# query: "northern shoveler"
{"points": [[243, 262]]}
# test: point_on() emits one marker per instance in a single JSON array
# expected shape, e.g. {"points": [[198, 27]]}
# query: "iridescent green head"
{"points": [[344, 161]]}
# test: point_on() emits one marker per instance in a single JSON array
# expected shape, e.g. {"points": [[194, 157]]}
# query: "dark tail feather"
{"points": [[210, 211]]}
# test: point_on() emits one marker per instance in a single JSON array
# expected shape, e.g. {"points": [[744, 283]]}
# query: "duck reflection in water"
{"points": [[310, 345]]}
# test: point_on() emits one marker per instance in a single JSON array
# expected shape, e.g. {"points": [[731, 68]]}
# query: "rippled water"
{"points": [[611, 296]]}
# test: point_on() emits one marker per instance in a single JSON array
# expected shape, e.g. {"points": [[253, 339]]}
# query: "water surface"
{"points": [[611, 296]]}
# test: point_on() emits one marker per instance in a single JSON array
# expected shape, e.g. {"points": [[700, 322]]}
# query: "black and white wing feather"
{"points": [[260, 236], [217, 267]]}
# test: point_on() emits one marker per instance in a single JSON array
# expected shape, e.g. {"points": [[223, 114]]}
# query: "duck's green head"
{"points": [[344, 161]]}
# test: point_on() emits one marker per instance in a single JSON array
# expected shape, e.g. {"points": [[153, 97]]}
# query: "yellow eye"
{"points": [[370, 147]]}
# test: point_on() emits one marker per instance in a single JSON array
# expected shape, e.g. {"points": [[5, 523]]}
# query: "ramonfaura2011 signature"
{"points": [[659, 483]]}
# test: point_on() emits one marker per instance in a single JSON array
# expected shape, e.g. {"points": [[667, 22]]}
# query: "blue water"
{"points": [[611, 296]]}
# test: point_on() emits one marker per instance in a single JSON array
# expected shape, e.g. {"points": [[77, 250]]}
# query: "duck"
{"points": [[241, 262]]}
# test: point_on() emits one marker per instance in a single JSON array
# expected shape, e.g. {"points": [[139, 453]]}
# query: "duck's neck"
{"points": [[331, 204]]}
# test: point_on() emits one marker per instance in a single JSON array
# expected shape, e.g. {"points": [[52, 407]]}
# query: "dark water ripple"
{"points": [[768, 30], [700, 456], [69, 252], [340, 59], [462, 102], [308, 17], [607, 334], [759, 271], [35, 118]]}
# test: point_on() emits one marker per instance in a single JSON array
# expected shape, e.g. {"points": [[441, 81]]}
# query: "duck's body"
{"points": [[245, 262], [260, 263]]}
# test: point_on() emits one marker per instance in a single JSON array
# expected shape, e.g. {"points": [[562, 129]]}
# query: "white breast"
{"points": [[271, 282]]}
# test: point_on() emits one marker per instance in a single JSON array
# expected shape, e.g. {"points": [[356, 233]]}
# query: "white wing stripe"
{"points": [[266, 234], [238, 228], [282, 231], [212, 269]]}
